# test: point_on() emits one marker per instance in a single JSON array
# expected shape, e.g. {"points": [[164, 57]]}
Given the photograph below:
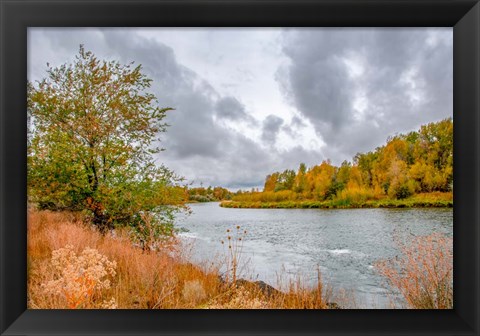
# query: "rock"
{"points": [[333, 305], [265, 288]]}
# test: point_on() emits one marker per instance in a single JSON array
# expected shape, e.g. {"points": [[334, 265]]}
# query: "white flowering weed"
{"points": [[78, 278]]}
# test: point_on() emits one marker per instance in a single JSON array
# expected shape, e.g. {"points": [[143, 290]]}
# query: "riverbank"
{"points": [[71, 265], [433, 200]]}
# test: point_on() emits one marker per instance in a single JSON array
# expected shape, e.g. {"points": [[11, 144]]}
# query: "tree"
{"points": [[435, 149], [391, 160], [355, 179], [320, 179], [93, 136], [300, 179], [271, 181], [285, 180], [343, 174], [365, 162], [399, 185]]}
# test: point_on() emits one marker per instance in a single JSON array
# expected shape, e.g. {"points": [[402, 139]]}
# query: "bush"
{"points": [[201, 198], [402, 190], [79, 278], [423, 273], [354, 196]]}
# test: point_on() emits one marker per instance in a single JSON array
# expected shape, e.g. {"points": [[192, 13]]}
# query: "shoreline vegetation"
{"points": [[72, 265], [432, 200]]}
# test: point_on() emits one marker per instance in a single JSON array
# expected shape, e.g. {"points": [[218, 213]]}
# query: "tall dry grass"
{"points": [[423, 274], [71, 265], [143, 279]]}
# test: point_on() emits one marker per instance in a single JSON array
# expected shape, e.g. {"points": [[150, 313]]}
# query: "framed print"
{"points": [[269, 167]]}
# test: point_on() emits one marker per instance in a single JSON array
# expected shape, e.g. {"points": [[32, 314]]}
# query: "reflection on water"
{"points": [[343, 243]]}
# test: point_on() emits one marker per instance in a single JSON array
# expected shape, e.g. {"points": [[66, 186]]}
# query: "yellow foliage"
{"points": [[355, 195]]}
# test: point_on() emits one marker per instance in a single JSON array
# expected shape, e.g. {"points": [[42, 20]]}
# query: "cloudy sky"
{"points": [[250, 101]]}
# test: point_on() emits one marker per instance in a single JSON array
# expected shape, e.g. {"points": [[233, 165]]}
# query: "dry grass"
{"points": [[434, 196], [71, 265], [80, 278], [423, 274], [143, 279], [299, 295]]}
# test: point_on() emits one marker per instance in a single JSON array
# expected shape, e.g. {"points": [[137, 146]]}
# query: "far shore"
{"points": [[413, 202]]}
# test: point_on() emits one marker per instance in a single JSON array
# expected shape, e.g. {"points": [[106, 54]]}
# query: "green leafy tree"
{"points": [[343, 173], [300, 179], [94, 131], [285, 180], [365, 161]]}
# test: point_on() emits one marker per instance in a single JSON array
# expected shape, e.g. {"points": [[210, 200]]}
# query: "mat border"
{"points": [[16, 16]]}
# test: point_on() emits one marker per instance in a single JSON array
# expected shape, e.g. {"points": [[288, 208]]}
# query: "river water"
{"points": [[343, 244]]}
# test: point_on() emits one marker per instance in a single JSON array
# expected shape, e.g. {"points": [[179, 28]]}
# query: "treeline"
{"points": [[209, 194], [418, 162]]}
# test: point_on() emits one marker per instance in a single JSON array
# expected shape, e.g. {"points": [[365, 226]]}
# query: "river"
{"points": [[343, 244]]}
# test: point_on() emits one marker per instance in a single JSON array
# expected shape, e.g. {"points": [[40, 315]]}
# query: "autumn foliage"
{"points": [[419, 162]]}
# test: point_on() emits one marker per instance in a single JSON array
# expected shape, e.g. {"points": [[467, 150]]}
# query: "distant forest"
{"points": [[209, 194], [418, 162]]}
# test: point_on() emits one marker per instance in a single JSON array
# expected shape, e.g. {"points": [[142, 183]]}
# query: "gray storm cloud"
{"points": [[402, 77], [231, 109], [270, 128], [355, 86]]}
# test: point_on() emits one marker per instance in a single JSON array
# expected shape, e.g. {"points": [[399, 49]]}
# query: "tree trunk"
{"points": [[100, 220]]}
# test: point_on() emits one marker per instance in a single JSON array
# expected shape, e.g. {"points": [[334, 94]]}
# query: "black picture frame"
{"points": [[17, 15]]}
